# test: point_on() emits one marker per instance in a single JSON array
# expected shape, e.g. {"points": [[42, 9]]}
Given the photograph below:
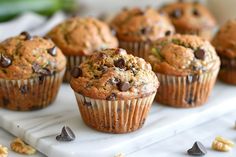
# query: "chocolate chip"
{"points": [[66, 134], [103, 68], [197, 150], [177, 13], [76, 72], [114, 81], [24, 89], [43, 71], [27, 35], [145, 30], [111, 97], [4, 61], [124, 86], [120, 63], [199, 54], [52, 51], [196, 12], [168, 33]]}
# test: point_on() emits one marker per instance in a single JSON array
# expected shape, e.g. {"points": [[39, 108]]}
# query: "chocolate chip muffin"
{"points": [[114, 90], [190, 18], [136, 29], [225, 44], [79, 37], [31, 71], [187, 67]]}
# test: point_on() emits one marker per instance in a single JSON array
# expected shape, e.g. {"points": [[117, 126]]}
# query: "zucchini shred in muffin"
{"points": [[79, 37], [31, 71], [136, 29], [114, 90], [225, 44], [186, 67]]}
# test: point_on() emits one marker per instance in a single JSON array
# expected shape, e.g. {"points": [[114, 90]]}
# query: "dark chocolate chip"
{"points": [[111, 97], [199, 54], [177, 13], [197, 150], [76, 72], [66, 134], [52, 51], [196, 12], [27, 35], [24, 89], [39, 70], [4, 61], [114, 81], [168, 33], [120, 63], [5, 101], [123, 86]]}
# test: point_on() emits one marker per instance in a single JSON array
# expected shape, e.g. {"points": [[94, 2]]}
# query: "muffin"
{"points": [[190, 18], [187, 68], [114, 90], [136, 29], [79, 37], [31, 71], [225, 44]]}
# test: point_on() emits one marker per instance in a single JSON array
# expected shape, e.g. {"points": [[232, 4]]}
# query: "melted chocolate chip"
{"points": [[197, 150], [24, 89], [120, 63], [196, 12], [39, 70], [199, 54], [177, 13], [52, 51], [27, 35], [66, 134], [76, 72], [123, 86], [168, 33], [111, 97], [4, 61]]}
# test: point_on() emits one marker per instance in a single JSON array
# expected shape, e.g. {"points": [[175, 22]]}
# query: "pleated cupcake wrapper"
{"points": [[139, 49], [119, 116], [72, 61], [29, 94], [228, 70], [187, 91]]}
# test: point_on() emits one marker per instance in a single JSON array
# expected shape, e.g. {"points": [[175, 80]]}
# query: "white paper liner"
{"points": [[119, 116], [29, 94], [185, 91]]}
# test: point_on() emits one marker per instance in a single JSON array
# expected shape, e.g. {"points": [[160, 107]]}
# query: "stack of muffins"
{"points": [[115, 87]]}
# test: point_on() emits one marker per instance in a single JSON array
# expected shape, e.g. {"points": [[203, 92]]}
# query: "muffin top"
{"points": [[112, 74], [141, 25], [225, 40], [183, 55], [82, 36], [189, 17], [25, 56]]}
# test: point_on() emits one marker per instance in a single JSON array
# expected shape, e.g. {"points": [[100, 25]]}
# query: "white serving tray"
{"points": [[39, 128]]}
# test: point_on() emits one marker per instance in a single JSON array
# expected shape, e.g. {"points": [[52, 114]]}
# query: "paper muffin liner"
{"points": [[71, 62], [140, 49], [30, 94], [185, 91], [120, 116], [227, 72]]}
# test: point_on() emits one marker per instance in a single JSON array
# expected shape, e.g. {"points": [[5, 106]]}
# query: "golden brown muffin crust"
{"points": [[24, 57], [82, 36], [141, 25], [189, 17], [225, 40], [182, 55], [112, 74]]}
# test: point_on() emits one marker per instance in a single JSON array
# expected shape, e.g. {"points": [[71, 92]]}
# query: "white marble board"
{"points": [[39, 128]]}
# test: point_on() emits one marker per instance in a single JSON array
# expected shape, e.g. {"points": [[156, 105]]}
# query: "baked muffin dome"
{"points": [[112, 74], [190, 18], [82, 36], [225, 40], [25, 56], [182, 55], [141, 25]]}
